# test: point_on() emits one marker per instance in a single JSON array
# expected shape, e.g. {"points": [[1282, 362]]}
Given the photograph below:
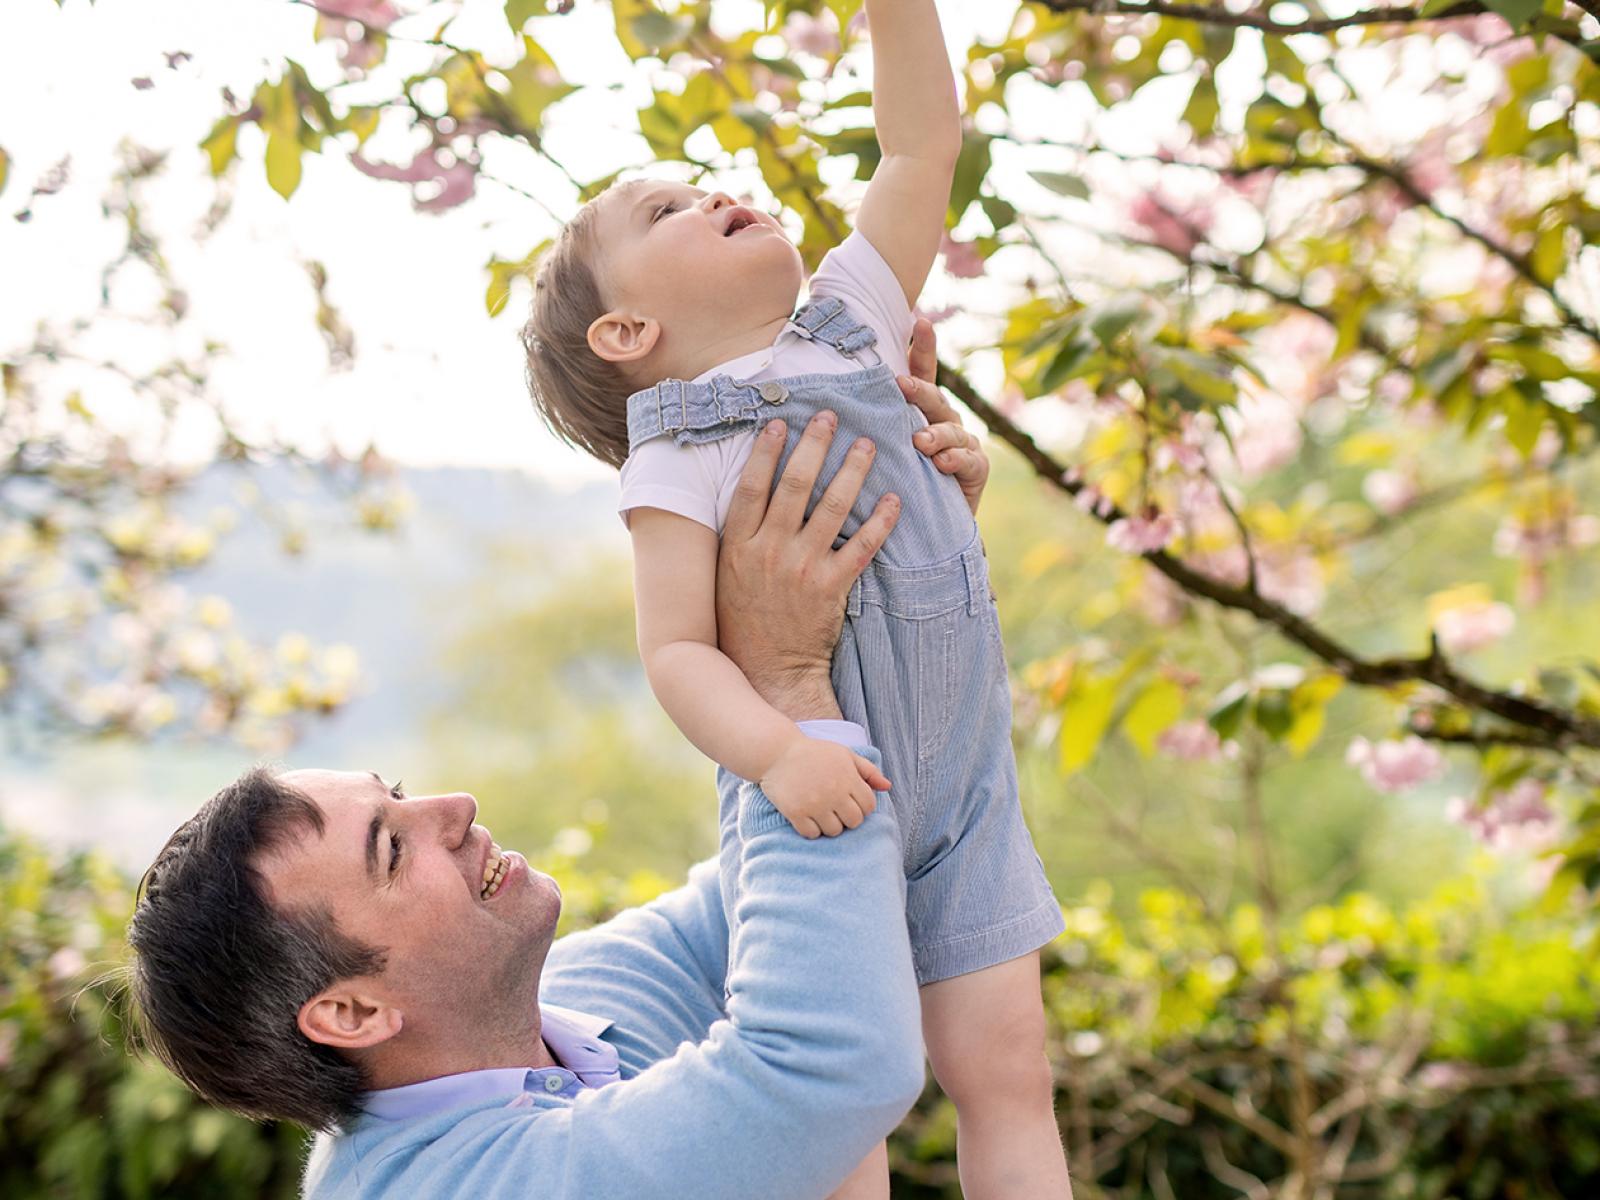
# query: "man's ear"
{"points": [[621, 337], [349, 1017]]}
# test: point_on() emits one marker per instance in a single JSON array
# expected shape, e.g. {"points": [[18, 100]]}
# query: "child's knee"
{"points": [[1001, 1061]]}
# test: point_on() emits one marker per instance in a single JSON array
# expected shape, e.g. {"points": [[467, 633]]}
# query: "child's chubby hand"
{"points": [[822, 787]]}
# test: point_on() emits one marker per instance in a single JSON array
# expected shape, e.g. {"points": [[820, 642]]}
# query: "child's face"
{"points": [[683, 288]]}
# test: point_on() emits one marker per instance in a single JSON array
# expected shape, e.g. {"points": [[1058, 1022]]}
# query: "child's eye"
{"points": [[668, 207]]}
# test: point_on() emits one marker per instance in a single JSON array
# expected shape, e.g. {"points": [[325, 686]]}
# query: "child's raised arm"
{"points": [[918, 122], [821, 787]]}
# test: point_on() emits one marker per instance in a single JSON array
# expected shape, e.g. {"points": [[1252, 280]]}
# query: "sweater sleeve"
{"points": [[819, 1057]]}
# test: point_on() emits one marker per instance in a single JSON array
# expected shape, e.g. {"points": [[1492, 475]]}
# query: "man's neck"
{"points": [[422, 1061]]}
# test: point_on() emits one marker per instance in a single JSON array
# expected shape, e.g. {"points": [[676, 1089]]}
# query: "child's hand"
{"points": [[823, 788]]}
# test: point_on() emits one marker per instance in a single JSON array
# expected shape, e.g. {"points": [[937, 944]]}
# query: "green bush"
{"points": [[1447, 1050]]}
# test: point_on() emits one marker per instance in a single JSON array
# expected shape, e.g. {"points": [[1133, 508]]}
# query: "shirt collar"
{"points": [[746, 365], [573, 1037]]}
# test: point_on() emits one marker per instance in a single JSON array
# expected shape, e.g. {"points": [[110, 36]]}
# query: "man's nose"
{"points": [[456, 812]]}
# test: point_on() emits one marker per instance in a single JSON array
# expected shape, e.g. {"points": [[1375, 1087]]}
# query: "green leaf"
{"points": [[1227, 711], [1201, 111], [1308, 705], [1272, 713], [1518, 12], [5, 169], [1524, 420], [971, 167], [1114, 316], [503, 271], [1085, 717], [1549, 256], [1000, 213], [1063, 184], [1156, 708], [656, 29], [518, 12], [222, 144], [283, 163]]}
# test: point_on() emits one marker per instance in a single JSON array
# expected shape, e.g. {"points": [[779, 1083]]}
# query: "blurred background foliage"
{"points": [[1292, 531]]}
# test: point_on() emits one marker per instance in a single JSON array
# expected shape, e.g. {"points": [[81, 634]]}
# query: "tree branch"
{"points": [[1560, 725], [1385, 15]]}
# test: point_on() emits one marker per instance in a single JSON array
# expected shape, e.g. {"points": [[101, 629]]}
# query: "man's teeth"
{"points": [[494, 871]]}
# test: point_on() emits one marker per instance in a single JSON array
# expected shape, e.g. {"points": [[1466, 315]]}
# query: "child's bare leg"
{"points": [[985, 1038], [870, 1179]]}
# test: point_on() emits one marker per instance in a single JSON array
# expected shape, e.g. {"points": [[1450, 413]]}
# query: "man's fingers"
{"points": [[788, 505], [946, 435], [929, 399], [924, 363], [755, 484], [828, 517], [853, 557]]}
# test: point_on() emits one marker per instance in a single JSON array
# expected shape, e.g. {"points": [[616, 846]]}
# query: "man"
{"points": [[320, 947]]}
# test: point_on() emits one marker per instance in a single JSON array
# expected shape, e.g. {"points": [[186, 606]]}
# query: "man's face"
{"points": [[667, 254], [407, 874]]}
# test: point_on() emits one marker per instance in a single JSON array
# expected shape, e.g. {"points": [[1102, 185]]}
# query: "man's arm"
{"points": [[918, 123]]}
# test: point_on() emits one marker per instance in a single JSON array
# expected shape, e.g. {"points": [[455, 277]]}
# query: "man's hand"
{"points": [[781, 586], [823, 788], [952, 449]]}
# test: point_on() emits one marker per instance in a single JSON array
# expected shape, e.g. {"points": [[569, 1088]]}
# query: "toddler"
{"points": [[663, 340]]}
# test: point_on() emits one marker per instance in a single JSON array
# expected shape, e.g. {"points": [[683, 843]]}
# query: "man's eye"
{"points": [[398, 790], [394, 856]]}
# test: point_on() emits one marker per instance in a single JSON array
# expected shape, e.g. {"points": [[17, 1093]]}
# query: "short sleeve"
{"points": [[855, 272], [662, 474]]}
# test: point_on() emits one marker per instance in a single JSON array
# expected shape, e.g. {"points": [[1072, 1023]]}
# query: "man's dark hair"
{"points": [[219, 975]]}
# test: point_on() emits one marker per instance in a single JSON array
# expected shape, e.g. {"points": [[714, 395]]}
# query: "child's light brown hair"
{"points": [[582, 397]]}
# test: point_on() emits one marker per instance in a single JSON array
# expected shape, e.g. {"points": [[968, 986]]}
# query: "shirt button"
{"points": [[553, 1083], [774, 392]]}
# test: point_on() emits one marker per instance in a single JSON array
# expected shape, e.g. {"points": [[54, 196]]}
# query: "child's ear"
{"points": [[621, 337]]}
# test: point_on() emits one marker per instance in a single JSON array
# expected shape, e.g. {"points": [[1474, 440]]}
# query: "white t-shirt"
{"points": [[698, 480]]}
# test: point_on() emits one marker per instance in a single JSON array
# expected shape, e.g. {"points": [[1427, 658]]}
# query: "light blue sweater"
{"points": [[815, 1058]]}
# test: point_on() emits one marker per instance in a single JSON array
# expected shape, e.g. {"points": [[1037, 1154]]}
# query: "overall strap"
{"points": [[698, 412], [827, 320]]}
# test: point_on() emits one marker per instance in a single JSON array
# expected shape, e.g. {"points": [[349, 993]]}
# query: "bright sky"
{"points": [[436, 381]]}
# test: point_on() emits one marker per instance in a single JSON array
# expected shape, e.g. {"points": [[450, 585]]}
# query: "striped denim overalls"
{"points": [[919, 662]]}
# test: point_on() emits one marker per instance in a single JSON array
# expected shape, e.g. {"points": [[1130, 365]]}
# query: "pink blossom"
{"points": [[1254, 187], [1187, 450], [1395, 765], [935, 315], [458, 180], [1266, 433], [1473, 626], [1141, 535], [1193, 741], [961, 259], [1519, 818], [375, 14], [1389, 491], [1161, 601], [1177, 231], [1291, 576], [811, 34], [858, 23], [1092, 500]]}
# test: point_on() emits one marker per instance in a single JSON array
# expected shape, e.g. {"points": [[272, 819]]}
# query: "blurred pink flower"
{"points": [[1471, 627], [858, 23], [1395, 765], [1389, 491], [811, 34], [1254, 187], [1519, 818], [935, 315], [1161, 601], [1292, 576], [961, 259], [375, 14], [1092, 500], [1193, 741], [1266, 433], [1176, 230], [458, 180], [1140, 535]]}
